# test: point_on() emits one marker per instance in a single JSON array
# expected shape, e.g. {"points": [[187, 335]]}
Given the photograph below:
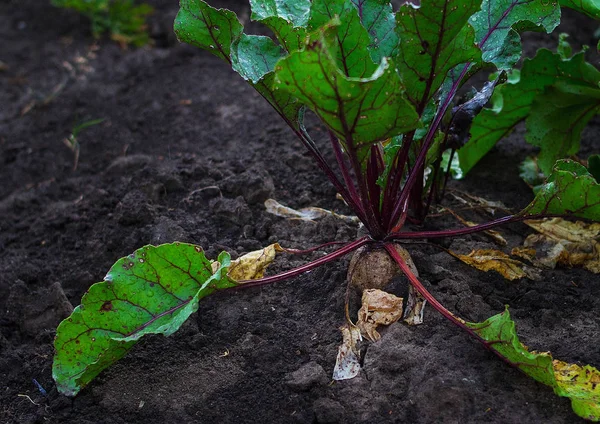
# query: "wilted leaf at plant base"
{"points": [[152, 291], [378, 308], [306, 214], [495, 260], [252, 265], [347, 363], [580, 384], [563, 242]]}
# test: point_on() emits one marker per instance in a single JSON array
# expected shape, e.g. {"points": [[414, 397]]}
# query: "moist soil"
{"points": [[187, 151]]}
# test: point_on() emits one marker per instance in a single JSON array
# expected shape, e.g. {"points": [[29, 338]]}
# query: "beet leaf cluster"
{"points": [[385, 84]]}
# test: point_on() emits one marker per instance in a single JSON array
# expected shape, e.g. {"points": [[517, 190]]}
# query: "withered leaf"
{"points": [[378, 308], [495, 260]]}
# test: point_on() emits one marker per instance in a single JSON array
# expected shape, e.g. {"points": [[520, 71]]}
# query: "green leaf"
{"points": [[347, 40], [589, 7], [564, 48], [291, 38], [530, 172], [434, 38], [377, 16], [152, 291], [557, 118], [580, 384], [283, 102], [360, 111], [286, 19], [570, 190], [295, 12], [498, 23], [512, 101], [254, 56], [201, 25]]}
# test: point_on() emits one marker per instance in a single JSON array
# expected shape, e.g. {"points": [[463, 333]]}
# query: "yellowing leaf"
{"points": [[347, 363], [378, 308], [580, 384], [252, 265], [305, 214], [495, 260], [563, 242], [525, 253]]}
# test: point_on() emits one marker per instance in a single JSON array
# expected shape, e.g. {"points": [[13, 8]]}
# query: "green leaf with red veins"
{"points": [[557, 118], [513, 100], [360, 111], [254, 56], [348, 41], [580, 384], [377, 16], [287, 20], [203, 26], [499, 22], [152, 291], [589, 7], [434, 38], [570, 190]]}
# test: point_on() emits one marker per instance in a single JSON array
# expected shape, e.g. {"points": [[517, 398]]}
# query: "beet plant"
{"points": [[385, 86]]}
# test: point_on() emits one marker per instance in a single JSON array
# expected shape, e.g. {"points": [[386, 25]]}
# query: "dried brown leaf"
{"points": [[562, 242], [378, 308], [305, 214], [347, 364], [495, 260]]}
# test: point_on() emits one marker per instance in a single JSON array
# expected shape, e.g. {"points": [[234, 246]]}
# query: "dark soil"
{"points": [[188, 152]]}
